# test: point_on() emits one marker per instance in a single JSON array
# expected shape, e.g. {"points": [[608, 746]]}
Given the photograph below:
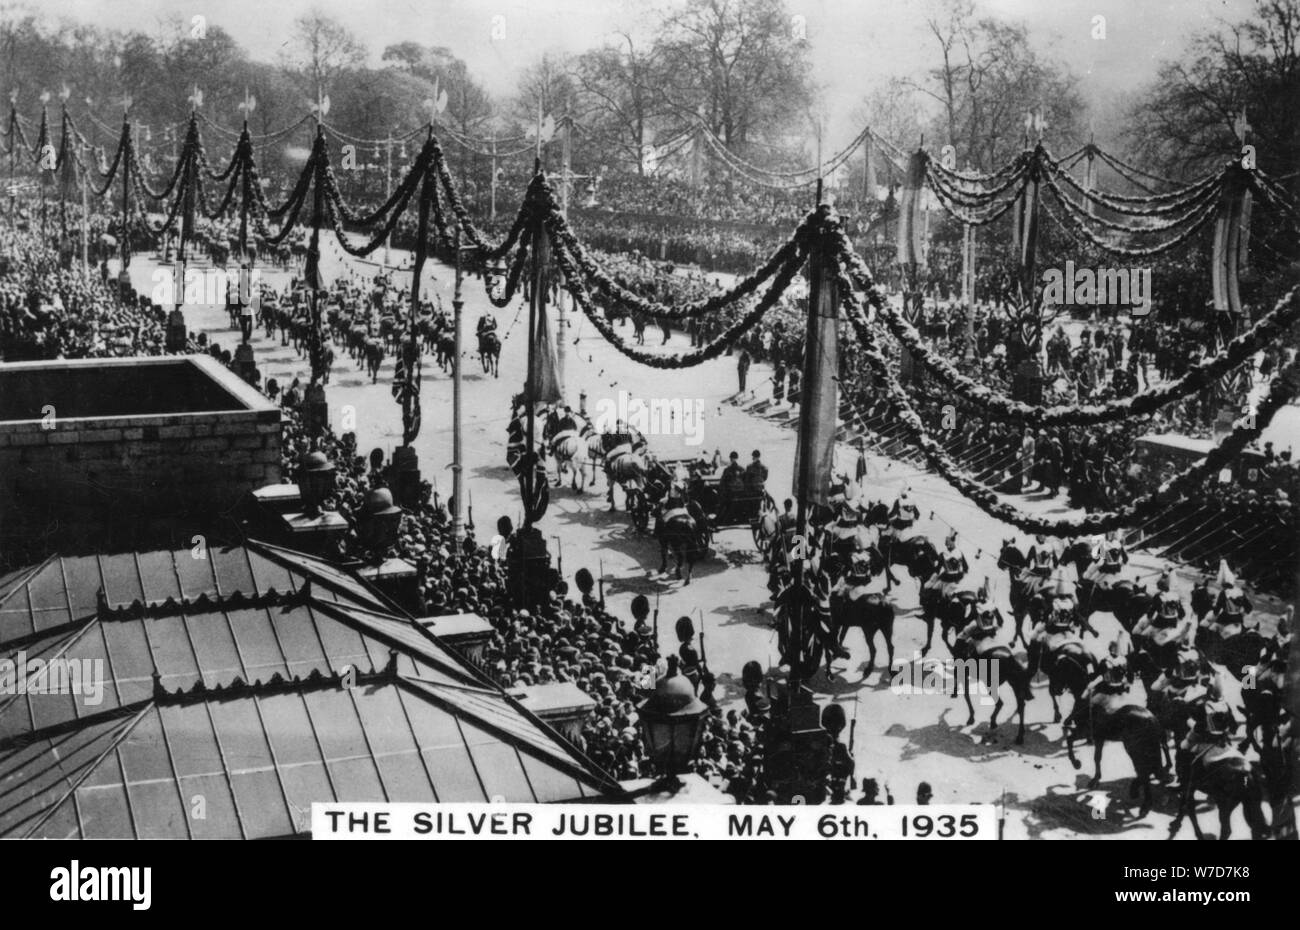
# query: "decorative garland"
{"points": [[1285, 386], [577, 286]]}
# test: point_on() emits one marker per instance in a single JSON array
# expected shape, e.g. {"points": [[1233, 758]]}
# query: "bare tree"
{"points": [[320, 50]]}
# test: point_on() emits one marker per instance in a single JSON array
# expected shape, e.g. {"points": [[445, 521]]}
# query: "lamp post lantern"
{"points": [[672, 722]]}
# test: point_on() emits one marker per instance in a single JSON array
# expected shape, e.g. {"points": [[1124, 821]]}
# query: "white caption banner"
{"points": [[660, 821]]}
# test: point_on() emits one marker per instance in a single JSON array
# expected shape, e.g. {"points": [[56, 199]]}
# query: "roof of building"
{"points": [[243, 686]]}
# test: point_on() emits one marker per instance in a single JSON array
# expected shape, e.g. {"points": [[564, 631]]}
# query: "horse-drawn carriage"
{"points": [[703, 483]]}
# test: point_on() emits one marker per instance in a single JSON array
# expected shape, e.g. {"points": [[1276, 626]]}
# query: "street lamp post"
{"points": [[672, 722]]}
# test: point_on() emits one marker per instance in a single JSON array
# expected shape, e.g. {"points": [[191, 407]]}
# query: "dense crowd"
{"points": [[51, 311]]}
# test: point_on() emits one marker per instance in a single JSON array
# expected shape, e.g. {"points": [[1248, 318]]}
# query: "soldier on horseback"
{"points": [[902, 518], [1111, 558], [1042, 559], [487, 323], [1113, 675], [952, 569], [1167, 619], [985, 625], [1231, 607]]}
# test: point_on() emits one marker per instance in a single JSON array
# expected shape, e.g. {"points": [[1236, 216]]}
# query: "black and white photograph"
{"points": [[721, 419]]}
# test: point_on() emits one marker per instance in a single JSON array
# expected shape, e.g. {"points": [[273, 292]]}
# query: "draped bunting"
{"points": [[1128, 225], [911, 251]]}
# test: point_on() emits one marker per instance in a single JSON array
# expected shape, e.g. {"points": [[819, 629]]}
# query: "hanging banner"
{"points": [[911, 249], [1228, 244], [544, 379], [819, 391]]}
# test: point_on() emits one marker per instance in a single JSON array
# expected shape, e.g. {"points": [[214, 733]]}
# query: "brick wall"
{"points": [[97, 478]]}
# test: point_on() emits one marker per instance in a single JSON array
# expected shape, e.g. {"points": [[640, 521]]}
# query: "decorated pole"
{"points": [[388, 193], [245, 154], [567, 182], [43, 165], [124, 276], [492, 207], [457, 478], [536, 307], [13, 152]]}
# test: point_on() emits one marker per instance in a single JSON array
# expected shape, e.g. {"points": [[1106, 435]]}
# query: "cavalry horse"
{"points": [[992, 655], [1068, 666], [681, 530], [489, 353], [953, 610], [1028, 592], [1230, 780], [1122, 597], [1117, 717]]}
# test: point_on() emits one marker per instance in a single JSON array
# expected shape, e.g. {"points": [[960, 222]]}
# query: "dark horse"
{"points": [[1106, 717], [992, 656], [872, 613], [684, 534], [489, 353], [1028, 598], [1067, 664], [952, 611], [1225, 776]]}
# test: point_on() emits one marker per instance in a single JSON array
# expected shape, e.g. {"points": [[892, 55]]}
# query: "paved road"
{"points": [[901, 739]]}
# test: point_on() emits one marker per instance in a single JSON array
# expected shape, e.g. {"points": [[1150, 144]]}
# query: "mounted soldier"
{"points": [[952, 569], [1041, 560], [1113, 675], [986, 621], [1111, 556], [1230, 608]]}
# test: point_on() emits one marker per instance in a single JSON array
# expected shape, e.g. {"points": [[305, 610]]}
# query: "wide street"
{"points": [[901, 739]]}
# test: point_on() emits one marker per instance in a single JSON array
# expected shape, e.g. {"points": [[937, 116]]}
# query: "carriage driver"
{"points": [[730, 486]]}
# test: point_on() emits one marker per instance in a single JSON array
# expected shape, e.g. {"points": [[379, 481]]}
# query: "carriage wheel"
{"points": [[761, 542]]}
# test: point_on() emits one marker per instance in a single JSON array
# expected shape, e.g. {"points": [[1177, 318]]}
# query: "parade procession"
{"points": [[658, 412]]}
